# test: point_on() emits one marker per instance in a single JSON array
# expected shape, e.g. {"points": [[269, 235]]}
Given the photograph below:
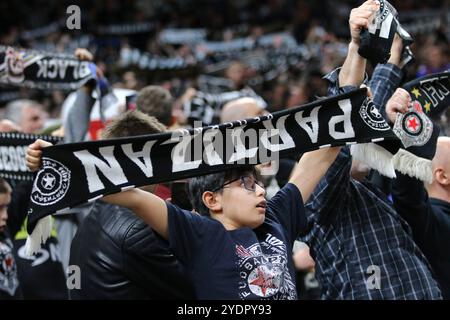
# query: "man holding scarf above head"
{"points": [[362, 248]]}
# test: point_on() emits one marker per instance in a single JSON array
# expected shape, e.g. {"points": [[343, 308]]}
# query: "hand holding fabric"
{"points": [[361, 17], [398, 103], [34, 154]]}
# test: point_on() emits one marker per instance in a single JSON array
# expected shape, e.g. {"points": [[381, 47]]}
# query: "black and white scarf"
{"points": [[81, 172], [431, 93], [376, 42], [42, 70], [413, 152]]}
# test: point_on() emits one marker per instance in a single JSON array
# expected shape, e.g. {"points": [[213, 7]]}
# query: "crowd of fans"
{"points": [[132, 45]]}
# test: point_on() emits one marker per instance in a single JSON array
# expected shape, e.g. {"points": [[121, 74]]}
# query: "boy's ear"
{"points": [[212, 200]]}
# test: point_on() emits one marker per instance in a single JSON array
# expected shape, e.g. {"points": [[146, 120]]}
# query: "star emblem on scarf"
{"points": [[416, 92], [49, 181], [412, 123], [263, 281], [427, 107]]}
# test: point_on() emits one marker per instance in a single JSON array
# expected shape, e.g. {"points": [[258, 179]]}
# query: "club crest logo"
{"points": [[372, 116], [264, 275], [51, 183], [14, 66], [412, 124], [413, 128]]}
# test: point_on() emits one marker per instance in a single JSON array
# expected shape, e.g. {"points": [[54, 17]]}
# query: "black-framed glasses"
{"points": [[248, 182]]}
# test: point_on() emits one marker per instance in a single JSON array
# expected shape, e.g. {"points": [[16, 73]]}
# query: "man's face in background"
{"points": [[32, 119]]}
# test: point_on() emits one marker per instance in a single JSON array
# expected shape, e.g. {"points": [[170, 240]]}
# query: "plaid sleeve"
{"points": [[333, 81], [331, 191], [385, 80]]}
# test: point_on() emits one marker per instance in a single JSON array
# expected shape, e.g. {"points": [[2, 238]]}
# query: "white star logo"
{"points": [[49, 181]]}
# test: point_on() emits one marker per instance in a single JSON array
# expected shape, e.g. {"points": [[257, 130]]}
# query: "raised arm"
{"points": [[77, 122], [313, 165], [311, 168], [409, 195], [352, 72]]}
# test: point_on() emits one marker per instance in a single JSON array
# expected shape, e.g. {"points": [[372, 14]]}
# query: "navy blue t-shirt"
{"points": [[244, 263]]}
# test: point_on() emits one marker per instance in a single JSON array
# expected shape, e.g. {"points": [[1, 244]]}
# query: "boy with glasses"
{"points": [[239, 246]]}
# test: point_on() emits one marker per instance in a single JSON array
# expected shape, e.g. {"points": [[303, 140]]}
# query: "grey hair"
{"points": [[13, 110]]}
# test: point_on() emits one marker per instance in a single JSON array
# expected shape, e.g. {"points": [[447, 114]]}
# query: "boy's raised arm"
{"points": [[311, 168]]}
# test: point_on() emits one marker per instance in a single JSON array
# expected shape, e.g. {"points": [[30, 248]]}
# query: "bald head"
{"points": [[440, 188], [442, 156], [240, 109]]}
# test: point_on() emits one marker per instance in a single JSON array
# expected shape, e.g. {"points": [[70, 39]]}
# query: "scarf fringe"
{"points": [[413, 166], [39, 235], [375, 157]]}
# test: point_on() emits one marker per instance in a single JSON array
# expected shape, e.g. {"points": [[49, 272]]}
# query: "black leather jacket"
{"points": [[120, 257]]}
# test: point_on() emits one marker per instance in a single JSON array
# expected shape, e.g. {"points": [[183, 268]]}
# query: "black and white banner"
{"points": [[262, 55], [148, 61], [13, 148], [79, 172], [41, 70], [176, 36], [126, 28], [430, 93]]}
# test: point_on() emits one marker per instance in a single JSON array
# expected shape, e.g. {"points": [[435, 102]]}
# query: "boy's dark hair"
{"points": [[4, 186], [132, 123], [156, 101], [198, 185]]}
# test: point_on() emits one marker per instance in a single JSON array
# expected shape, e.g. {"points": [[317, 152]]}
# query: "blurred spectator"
{"points": [[28, 114], [156, 101], [435, 59], [236, 72]]}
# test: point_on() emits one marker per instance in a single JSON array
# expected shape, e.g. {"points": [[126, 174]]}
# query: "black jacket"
{"points": [[120, 257], [429, 220]]}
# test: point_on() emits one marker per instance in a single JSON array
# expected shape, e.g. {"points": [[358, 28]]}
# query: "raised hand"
{"points": [[361, 17], [34, 154], [398, 103]]}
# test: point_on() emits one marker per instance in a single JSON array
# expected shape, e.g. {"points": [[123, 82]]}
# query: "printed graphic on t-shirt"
{"points": [[8, 270], [264, 272]]}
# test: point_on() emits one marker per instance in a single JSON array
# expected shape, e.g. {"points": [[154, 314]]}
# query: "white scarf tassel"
{"points": [[375, 157], [39, 235], [413, 166]]}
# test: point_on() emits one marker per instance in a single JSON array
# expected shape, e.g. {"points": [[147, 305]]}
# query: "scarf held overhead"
{"points": [[43, 70], [431, 93], [79, 172]]}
